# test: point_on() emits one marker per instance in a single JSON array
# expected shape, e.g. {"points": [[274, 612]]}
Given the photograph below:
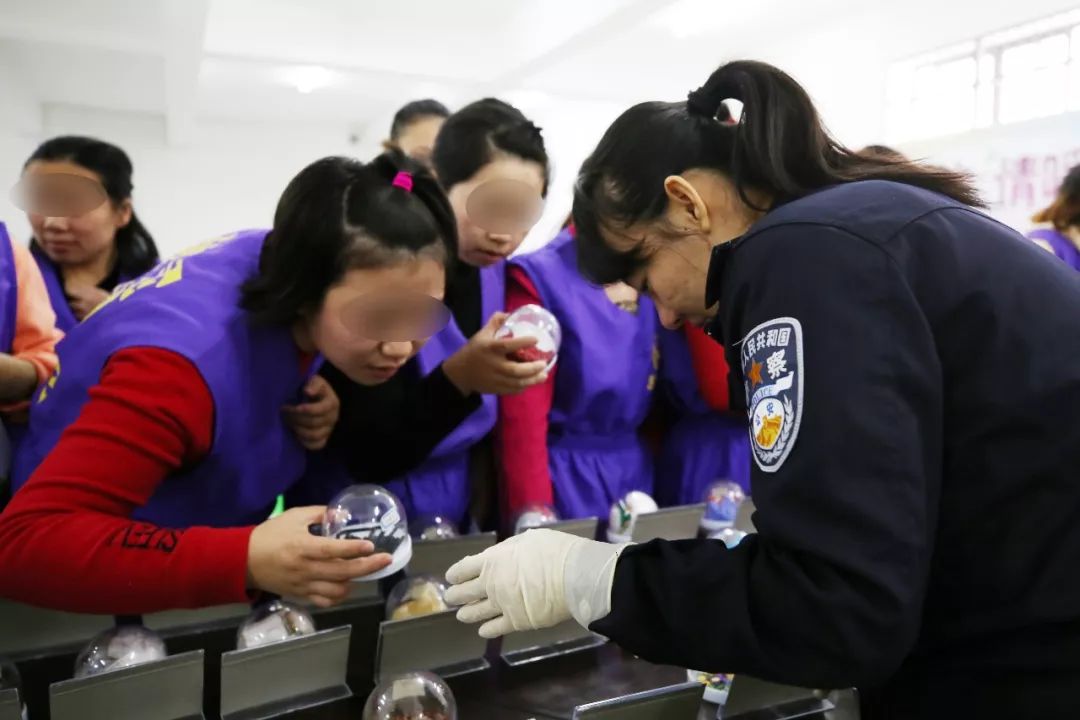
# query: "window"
{"points": [[934, 94], [1034, 79], [1074, 69], [1025, 72]]}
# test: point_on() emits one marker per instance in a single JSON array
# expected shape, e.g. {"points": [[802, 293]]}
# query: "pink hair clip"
{"points": [[403, 180]]}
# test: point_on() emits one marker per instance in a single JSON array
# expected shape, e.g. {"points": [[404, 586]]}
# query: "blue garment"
{"points": [[190, 306], [604, 385]]}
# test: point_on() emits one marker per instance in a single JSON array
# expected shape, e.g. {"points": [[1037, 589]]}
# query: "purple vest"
{"points": [[9, 306], [9, 292], [440, 486], [1060, 245], [702, 445], [603, 386], [189, 305], [54, 284]]}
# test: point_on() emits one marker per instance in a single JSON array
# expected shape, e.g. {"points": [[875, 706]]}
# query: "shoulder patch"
{"points": [[772, 368]]}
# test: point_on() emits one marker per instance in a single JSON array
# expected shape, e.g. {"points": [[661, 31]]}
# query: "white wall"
{"points": [[14, 150], [571, 132], [230, 175], [227, 178], [1018, 167]]}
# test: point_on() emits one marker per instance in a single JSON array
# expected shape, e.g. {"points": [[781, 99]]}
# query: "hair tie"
{"points": [[698, 102], [708, 100], [403, 180]]}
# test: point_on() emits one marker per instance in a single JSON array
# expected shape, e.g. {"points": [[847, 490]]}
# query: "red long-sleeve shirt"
{"points": [[521, 438], [67, 539], [710, 368]]}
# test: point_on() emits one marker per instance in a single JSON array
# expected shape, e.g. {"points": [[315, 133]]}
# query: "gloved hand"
{"points": [[534, 580]]}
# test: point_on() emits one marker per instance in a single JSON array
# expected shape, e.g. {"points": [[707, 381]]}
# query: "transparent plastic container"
{"points": [[119, 647], [722, 499], [432, 527], [371, 512], [412, 696], [534, 321], [415, 597], [534, 516], [273, 622], [624, 512]]}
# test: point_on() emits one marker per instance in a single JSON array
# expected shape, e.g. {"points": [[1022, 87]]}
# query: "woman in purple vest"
{"points": [[702, 444], [158, 447], [84, 257], [425, 434], [1061, 232], [28, 338], [415, 126], [574, 442], [28, 333]]}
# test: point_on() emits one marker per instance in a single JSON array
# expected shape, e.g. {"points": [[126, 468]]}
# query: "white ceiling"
{"points": [[184, 61]]}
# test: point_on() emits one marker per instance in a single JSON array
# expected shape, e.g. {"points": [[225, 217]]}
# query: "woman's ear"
{"points": [[686, 209], [122, 214]]}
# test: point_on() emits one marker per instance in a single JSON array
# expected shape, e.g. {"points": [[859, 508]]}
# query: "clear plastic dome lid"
{"points": [[119, 647], [412, 696], [534, 516], [625, 511], [729, 536], [370, 512], [722, 501], [534, 321], [273, 622], [9, 675], [416, 596], [432, 527]]}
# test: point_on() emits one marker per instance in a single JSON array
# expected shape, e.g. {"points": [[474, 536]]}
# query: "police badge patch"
{"points": [[772, 369]]}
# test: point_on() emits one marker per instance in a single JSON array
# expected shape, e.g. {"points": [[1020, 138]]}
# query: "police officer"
{"points": [[910, 374]]}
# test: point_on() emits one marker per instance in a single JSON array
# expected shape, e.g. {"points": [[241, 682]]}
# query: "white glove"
{"points": [[534, 580]]}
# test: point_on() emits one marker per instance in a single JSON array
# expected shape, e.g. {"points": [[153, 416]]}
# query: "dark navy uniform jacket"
{"points": [[911, 369]]}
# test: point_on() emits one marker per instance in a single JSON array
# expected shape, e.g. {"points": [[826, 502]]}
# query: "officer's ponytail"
{"points": [[781, 147], [778, 149]]}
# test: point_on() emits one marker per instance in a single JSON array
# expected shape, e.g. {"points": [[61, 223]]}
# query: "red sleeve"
{"points": [[523, 422], [67, 540], [710, 367]]}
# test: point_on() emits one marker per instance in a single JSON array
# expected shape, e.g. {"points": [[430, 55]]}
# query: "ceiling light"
{"points": [[308, 78]]}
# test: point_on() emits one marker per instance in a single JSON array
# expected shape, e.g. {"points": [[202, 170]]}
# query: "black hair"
{"points": [[471, 137], [135, 249], [883, 152], [778, 147], [340, 214], [1064, 212], [416, 110]]}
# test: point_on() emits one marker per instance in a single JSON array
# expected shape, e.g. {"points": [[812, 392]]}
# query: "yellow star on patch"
{"points": [[755, 374]]}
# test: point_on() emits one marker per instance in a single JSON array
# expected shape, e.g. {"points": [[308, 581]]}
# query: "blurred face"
{"points": [[84, 236], [418, 138], [374, 320], [496, 208], [703, 211]]}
